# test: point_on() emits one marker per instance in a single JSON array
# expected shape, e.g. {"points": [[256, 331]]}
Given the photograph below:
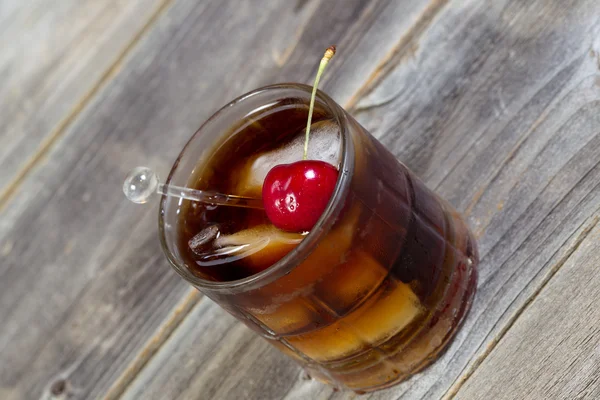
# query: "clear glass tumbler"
{"points": [[379, 286]]}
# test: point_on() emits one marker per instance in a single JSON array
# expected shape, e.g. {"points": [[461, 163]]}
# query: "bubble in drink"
{"points": [[140, 184]]}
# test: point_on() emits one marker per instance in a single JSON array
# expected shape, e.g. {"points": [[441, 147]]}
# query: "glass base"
{"points": [[439, 350], [416, 353]]}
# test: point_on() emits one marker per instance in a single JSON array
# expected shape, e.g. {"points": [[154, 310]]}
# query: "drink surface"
{"points": [[384, 291]]}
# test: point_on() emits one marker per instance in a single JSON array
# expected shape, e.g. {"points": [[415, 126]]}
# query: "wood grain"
{"points": [[55, 56], [495, 104], [217, 343], [552, 351], [524, 166]]}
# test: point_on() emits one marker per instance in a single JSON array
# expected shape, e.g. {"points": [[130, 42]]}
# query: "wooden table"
{"points": [[495, 104]]}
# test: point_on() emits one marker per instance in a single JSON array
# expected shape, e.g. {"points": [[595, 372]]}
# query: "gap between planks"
{"points": [[154, 344], [462, 379], [281, 60], [406, 46], [47, 143]]}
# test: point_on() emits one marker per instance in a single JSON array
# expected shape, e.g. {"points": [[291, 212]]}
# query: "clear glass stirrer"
{"points": [[141, 183]]}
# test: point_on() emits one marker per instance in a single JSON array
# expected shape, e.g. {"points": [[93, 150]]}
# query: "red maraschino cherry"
{"points": [[295, 195]]}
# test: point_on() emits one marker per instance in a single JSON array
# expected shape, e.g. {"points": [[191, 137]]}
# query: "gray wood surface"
{"points": [[552, 351], [494, 104], [55, 56]]}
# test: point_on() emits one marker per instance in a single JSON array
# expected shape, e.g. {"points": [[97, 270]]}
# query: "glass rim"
{"points": [[310, 242]]}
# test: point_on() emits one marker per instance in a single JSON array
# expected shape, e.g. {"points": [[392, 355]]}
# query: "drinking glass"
{"points": [[378, 287]]}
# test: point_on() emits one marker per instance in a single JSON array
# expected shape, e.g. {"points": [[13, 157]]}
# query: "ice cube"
{"points": [[294, 315], [332, 342], [384, 315], [351, 282], [391, 312], [331, 251], [260, 246], [324, 145]]}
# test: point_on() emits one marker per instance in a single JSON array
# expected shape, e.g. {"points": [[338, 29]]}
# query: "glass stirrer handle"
{"points": [[141, 183]]}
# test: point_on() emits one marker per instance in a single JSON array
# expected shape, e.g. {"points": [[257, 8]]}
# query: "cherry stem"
{"points": [[326, 57]]}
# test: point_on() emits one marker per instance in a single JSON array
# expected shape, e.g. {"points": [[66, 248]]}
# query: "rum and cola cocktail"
{"points": [[372, 293]]}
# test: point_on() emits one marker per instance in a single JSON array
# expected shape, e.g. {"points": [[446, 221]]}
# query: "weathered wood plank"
{"points": [[545, 186], [83, 282], [524, 165], [54, 56], [552, 351]]}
